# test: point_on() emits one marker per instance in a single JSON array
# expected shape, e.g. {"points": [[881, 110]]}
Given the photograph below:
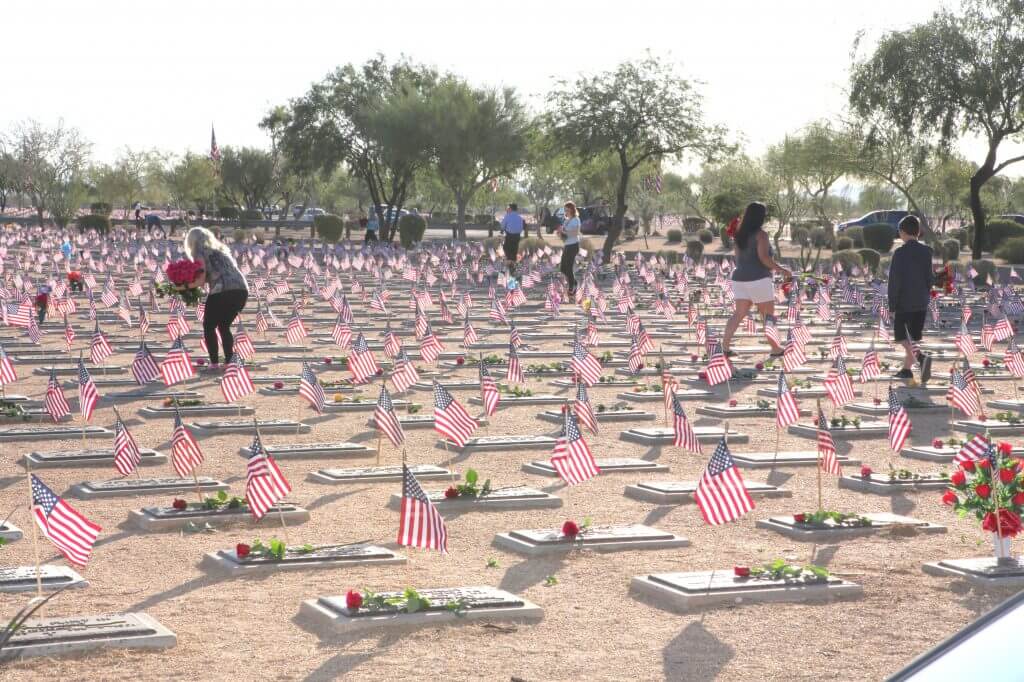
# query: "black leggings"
{"points": [[221, 310], [568, 260]]}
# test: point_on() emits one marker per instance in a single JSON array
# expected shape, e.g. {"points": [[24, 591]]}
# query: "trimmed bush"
{"points": [[821, 238], [100, 223], [252, 214], [674, 236], [671, 257], [410, 229], [984, 268], [879, 237], [705, 236], [997, 232], [844, 244], [694, 249], [227, 213], [328, 227], [100, 208], [856, 233], [800, 236], [692, 224], [950, 250], [849, 259], [871, 259], [1012, 250]]}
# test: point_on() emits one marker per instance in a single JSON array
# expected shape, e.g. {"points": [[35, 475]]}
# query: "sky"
{"points": [[158, 73]]}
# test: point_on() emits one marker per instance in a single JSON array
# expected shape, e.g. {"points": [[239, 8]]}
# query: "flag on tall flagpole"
{"points": [[214, 149]]}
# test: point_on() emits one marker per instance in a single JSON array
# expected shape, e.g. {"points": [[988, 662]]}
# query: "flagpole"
{"points": [[35, 530], [995, 497], [818, 459], [384, 383]]}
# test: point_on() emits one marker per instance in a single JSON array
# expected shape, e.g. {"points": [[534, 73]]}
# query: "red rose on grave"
{"points": [[460, 360], [799, 518], [982, 417], [1005, 449], [983, 490], [451, 493], [570, 529], [693, 358], [733, 403], [741, 571], [353, 600], [702, 375], [1007, 475], [933, 293], [968, 465], [200, 362], [242, 550], [279, 385], [878, 401], [1009, 523], [937, 443], [985, 362], [865, 471], [950, 498], [983, 464], [179, 504], [958, 478], [759, 366], [328, 361], [380, 371], [1018, 499]]}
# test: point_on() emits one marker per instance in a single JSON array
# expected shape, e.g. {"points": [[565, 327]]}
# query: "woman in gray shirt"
{"points": [[228, 289]]}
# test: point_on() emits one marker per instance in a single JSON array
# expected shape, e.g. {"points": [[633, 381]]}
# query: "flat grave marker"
{"points": [[210, 410], [882, 484], [608, 538], [788, 458], [302, 558], [169, 518], [56, 636], [245, 426], [96, 457], [377, 474], [313, 450], [830, 531], [129, 486], [681, 492], [9, 532], [505, 443], [609, 415], [52, 577], [54, 432], [992, 426], [665, 435], [607, 465], [981, 571], [867, 429], [506, 499]]}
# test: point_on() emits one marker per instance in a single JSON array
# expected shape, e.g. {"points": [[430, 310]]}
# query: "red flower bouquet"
{"points": [[734, 226], [986, 489], [181, 274]]}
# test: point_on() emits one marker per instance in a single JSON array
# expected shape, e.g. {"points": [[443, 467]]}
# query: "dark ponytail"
{"points": [[753, 220]]}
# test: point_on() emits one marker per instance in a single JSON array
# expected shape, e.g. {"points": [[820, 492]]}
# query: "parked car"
{"points": [[1015, 217], [593, 220], [311, 213], [892, 217]]}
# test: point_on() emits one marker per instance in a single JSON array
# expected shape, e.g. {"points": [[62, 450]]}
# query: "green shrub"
{"points": [[856, 233], [705, 236], [844, 244], [674, 237], [998, 231], [879, 237], [871, 259], [726, 239], [694, 249], [800, 236], [252, 214], [328, 227], [985, 268], [849, 259], [410, 229], [531, 244], [950, 250], [100, 223], [100, 208], [227, 212], [495, 243], [671, 257], [1012, 250], [821, 238]]}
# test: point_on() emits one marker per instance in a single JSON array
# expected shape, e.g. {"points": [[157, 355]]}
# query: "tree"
{"points": [[817, 157], [548, 172], [49, 164], [8, 176], [247, 177], [288, 182], [374, 120], [640, 111], [783, 195], [955, 73], [191, 181], [728, 187]]}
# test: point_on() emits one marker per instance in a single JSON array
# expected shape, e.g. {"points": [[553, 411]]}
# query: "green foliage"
{"points": [[100, 208], [247, 176], [950, 250], [998, 231], [856, 233], [1012, 250], [411, 229], [780, 569], [252, 214], [470, 487], [871, 259], [673, 236], [694, 249], [800, 236], [240, 235], [879, 237], [328, 227], [705, 236], [844, 244], [985, 268], [726, 239], [227, 212], [92, 221], [849, 259], [821, 238]]}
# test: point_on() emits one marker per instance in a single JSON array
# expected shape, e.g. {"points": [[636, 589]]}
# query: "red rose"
{"points": [[865, 471], [570, 529], [242, 550], [982, 417], [759, 366], [1018, 499], [937, 443], [201, 362], [950, 498], [933, 293], [702, 375], [741, 571], [328, 361], [967, 465], [353, 600], [985, 362], [1007, 475], [983, 490], [958, 478], [878, 401], [1005, 449], [451, 493], [732, 403], [1009, 523], [380, 371], [799, 518], [179, 504], [460, 360], [983, 464], [279, 385], [693, 358]]}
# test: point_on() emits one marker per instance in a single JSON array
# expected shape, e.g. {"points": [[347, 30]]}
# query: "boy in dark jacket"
{"points": [[910, 285]]}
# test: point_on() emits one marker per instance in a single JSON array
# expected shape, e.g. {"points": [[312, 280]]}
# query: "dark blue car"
{"points": [[890, 217]]}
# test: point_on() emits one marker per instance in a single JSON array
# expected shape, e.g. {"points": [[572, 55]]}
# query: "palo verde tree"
{"points": [[247, 177], [640, 111], [956, 73], [49, 167]]}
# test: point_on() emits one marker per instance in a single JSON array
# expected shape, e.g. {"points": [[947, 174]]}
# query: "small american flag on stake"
{"points": [[126, 450], [386, 419], [419, 522], [828, 462], [88, 396], [899, 422], [70, 532], [721, 494], [143, 367], [682, 431], [177, 364], [265, 485], [236, 382], [185, 452], [310, 388], [571, 457], [450, 418], [55, 403]]}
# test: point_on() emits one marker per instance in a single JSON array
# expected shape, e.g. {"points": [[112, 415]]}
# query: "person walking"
{"points": [[372, 227], [228, 290], [752, 283], [570, 229], [512, 227], [910, 285]]}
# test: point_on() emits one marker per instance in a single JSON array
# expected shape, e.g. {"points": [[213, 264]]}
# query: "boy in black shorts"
{"points": [[910, 285]]}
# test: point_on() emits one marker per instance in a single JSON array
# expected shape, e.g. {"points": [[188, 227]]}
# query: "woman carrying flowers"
{"points": [[228, 289]]}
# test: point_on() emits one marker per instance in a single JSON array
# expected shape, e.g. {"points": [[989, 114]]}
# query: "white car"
{"points": [[311, 213]]}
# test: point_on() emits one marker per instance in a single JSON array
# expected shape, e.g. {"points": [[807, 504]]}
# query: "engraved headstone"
{"points": [[515, 497], [376, 474], [867, 429], [245, 426], [92, 457], [481, 443], [982, 571], [789, 458], [663, 435], [211, 410], [169, 518], [55, 636], [123, 487], [990, 426], [23, 578], [607, 465], [679, 492], [608, 538], [313, 450], [883, 484], [55, 432], [828, 530], [613, 415], [301, 558], [9, 532]]}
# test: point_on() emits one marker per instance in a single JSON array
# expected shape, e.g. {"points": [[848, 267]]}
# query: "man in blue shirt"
{"points": [[512, 227], [910, 285]]}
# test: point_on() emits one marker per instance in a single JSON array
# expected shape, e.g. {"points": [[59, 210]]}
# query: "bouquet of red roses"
{"points": [[976, 489], [181, 274]]}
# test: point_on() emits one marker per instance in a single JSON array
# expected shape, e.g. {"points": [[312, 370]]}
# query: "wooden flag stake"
{"points": [[995, 498], [35, 530], [818, 458]]}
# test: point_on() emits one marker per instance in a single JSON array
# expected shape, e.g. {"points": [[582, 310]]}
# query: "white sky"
{"points": [[156, 73]]}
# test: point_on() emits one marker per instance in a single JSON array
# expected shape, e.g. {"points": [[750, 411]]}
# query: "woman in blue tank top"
{"points": [[752, 279]]}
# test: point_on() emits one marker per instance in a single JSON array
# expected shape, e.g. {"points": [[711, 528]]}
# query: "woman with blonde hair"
{"points": [[571, 230], [228, 289]]}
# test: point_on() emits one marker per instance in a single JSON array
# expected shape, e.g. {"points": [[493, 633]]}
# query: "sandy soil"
{"points": [[592, 628]]}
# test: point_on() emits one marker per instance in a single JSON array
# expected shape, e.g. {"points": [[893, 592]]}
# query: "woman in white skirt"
{"points": [[752, 283]]}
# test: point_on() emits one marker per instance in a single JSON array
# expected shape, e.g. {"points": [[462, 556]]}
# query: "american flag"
{"points": [[55, 403], [310, 388], [497, 312], [214, 149], [392, 344], [718, 369], [837, 384], [514, 372], [870, 367], [99, 349], [964, 342], [143, 321], [243, 344], [584, 364], [838, 346], [514, 337], [962, 394], [636, 357], [361, 362], [296, 330], [899, 422], [771, 330], [71, 533], [786, 409], [342, 333], [829, 463], [176, 365], [489, 393], [684, 436], [419, 522], [88, 396], [126, 450], [265, 485], [450, 418], [18, 315], [584, 410], [185, 452], [988, 336], [177, 326], [793, 356], [404, 373], [571, 457], [1013, 359], [386, 419], [430, 346], [1003, 329], [69, 333], [973, 450], [236, 382], [144, 368], [7, 373], [721, 494], [469, 335]]}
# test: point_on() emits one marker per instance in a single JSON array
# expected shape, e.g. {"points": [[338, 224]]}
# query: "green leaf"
{"points": [[222, 495], [492, 563], [550, 581], [471, 476]]}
